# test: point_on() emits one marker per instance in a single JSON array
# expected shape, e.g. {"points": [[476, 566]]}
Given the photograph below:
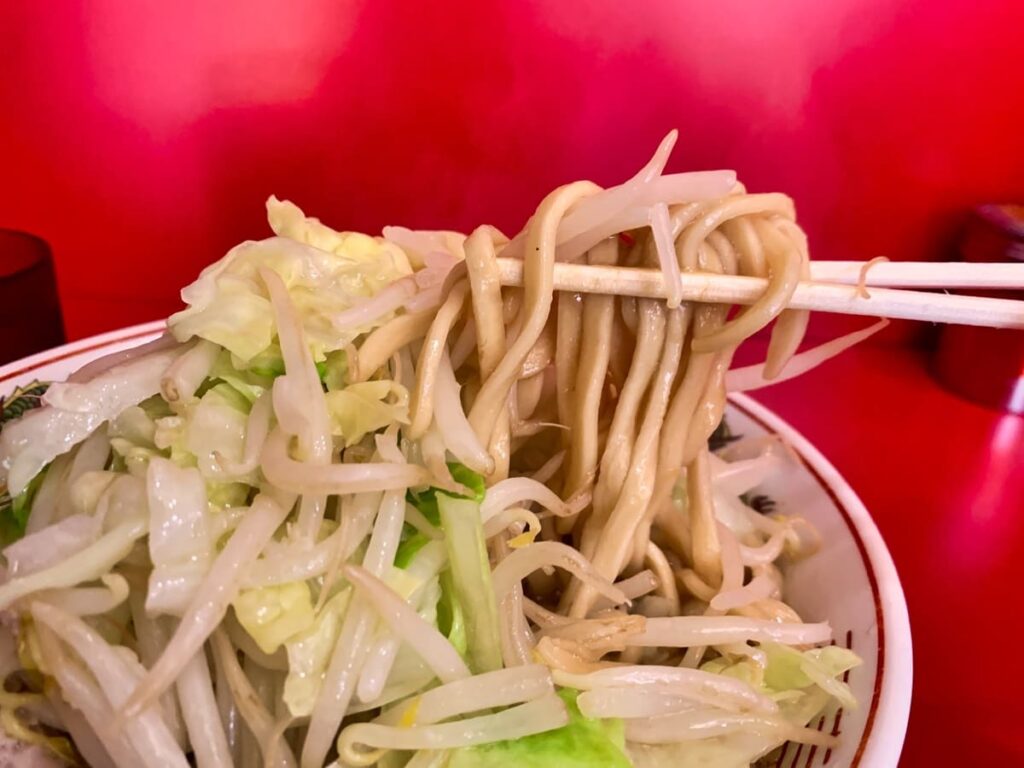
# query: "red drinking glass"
{"points": [[986, 365], [30, 316]]}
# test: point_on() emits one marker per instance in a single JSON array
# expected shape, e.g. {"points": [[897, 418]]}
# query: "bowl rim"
{"points": [[889, 711], [885, 728]]}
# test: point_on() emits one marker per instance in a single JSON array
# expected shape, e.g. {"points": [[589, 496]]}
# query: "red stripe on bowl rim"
{"points": [[90, 344], [876, 694]]}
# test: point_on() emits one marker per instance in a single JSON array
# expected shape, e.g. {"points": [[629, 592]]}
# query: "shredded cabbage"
{"points": [[426, 501], [324, 270], [14, 512], [364, 407], [72, 413], [309, 654], [274, 615], [180, 544], [215, 426], [450, 618], [790, 673], [471, 578], [583, 743]]}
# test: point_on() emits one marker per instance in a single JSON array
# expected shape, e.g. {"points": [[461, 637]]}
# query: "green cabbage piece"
{"points": [[74, 411], [450, 620], [747, 670], [426, 501], [218, 421], [789, 668], [795, 678], [14, 512], [333, 370], [136, 438], [364, 407], [267, 365], [86, 491], [248, 381], [409, 545], [251, 378], [274, 615], [325, 271], [803, 684], [228, 495], [309, 653], [142, 432], [583, 743], [135, 425], [229, 395], [471, 579], [216, 424]]}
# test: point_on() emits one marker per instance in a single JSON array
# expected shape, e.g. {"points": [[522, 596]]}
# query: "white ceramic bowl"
{"points": [[851, 581]]}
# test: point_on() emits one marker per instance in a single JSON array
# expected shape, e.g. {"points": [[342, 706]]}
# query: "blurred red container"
{"points": [[30, 314], [986, 365]]}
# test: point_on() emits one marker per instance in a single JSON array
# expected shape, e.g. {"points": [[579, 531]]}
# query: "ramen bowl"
{"points": [[850, 581]]}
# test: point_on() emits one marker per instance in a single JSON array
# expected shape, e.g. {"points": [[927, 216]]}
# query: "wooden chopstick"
{"points": [[921, 274], [818, 296]]}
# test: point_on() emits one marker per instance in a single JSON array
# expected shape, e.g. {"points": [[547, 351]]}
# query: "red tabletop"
{"points": [[942, 478]]}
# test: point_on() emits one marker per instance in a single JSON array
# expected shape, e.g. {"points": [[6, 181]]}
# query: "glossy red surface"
{"points": [[141, 139]]}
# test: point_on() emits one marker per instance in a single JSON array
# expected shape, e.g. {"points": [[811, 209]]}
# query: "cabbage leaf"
{"points": [[180, 541], [309, 653], [364, 407], [583, 743], [471, 579], [325, 271], [274, 615]]}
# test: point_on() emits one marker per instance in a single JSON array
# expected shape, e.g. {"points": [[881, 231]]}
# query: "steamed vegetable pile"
{"points": [[279, 535]]}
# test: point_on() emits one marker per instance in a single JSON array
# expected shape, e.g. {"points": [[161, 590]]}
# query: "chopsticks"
{"points": [[812, 295], [921, 274]]}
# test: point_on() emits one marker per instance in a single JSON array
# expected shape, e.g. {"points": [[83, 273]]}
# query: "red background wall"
{"points": [[141, 138]]}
